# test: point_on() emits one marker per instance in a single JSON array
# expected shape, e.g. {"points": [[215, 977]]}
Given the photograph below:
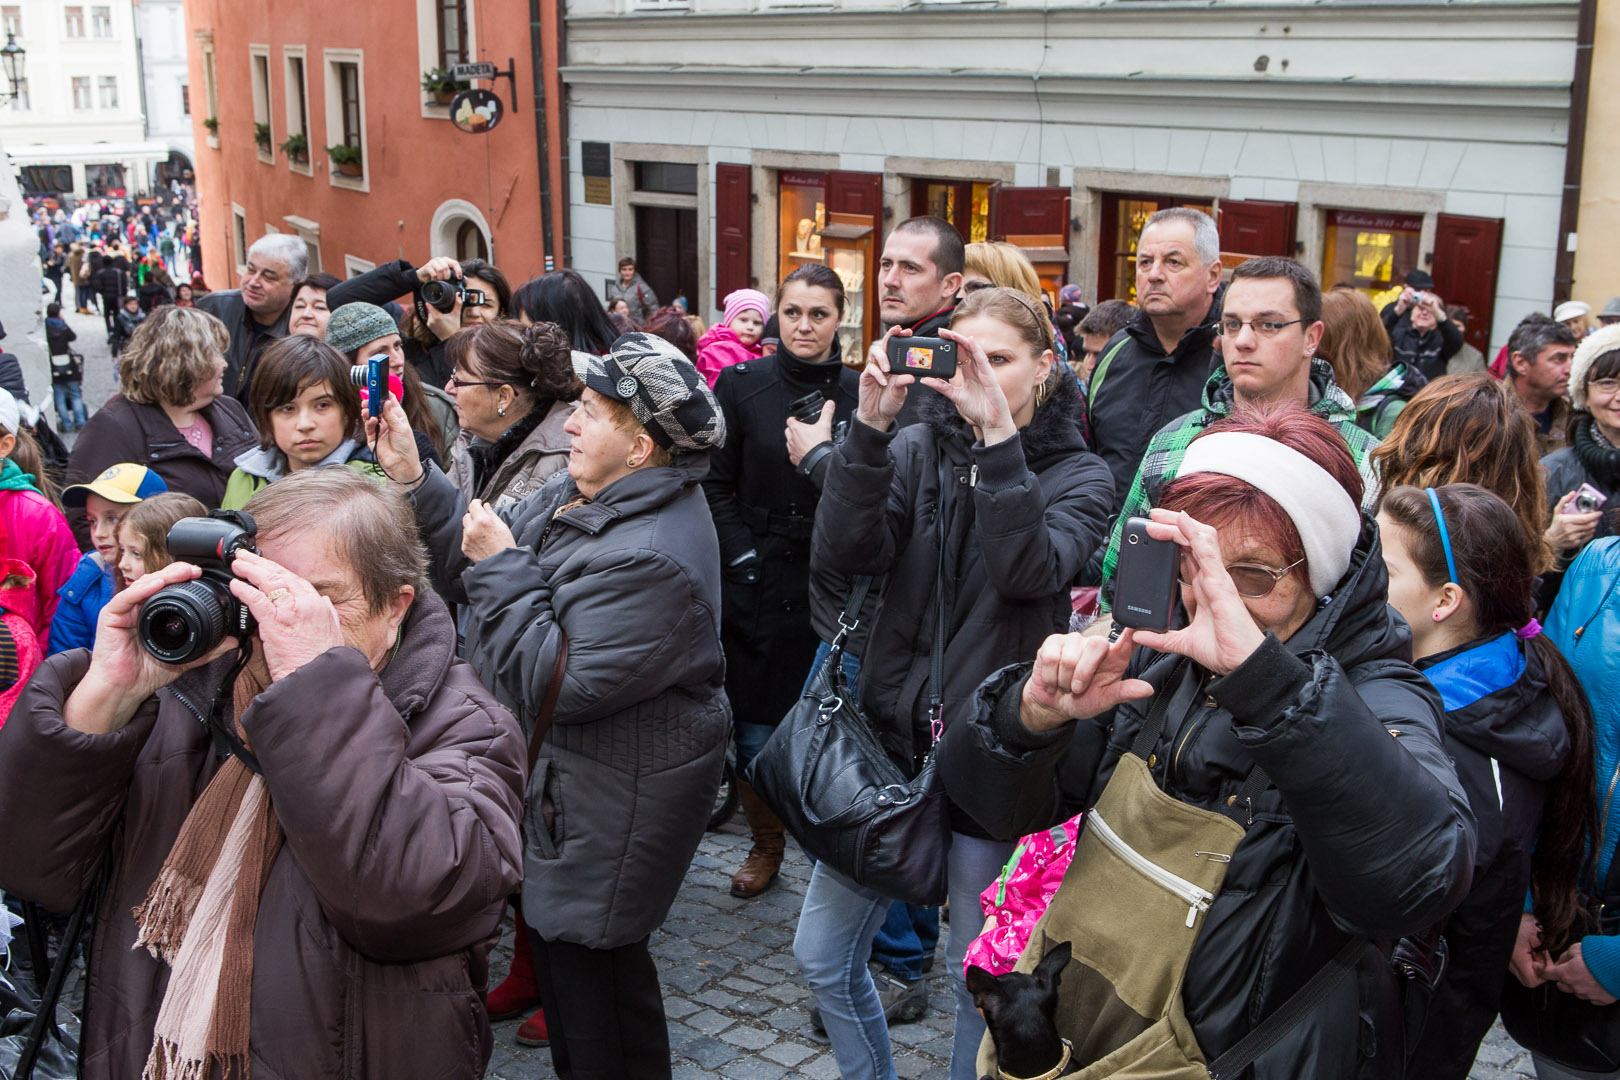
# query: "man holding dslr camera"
{"points": [[1421, 336], [317, 870]]}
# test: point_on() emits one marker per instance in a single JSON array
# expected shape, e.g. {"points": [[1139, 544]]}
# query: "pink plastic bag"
{"points": [[1016, 900]]}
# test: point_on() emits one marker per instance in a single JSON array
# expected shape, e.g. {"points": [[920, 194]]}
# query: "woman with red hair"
{"points": [[1266, 794]]}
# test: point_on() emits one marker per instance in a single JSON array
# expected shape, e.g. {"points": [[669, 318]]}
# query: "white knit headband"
{"points": [[1328, 520]]}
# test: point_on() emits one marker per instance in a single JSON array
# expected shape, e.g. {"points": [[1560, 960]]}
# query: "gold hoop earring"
{"points": [[1042, 392]]}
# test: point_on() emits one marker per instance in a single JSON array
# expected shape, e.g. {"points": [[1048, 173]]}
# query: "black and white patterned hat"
{"points": [[662, 388]]}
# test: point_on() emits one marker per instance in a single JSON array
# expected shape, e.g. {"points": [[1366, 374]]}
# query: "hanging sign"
{"points": [[463, 72], [476, 112]]}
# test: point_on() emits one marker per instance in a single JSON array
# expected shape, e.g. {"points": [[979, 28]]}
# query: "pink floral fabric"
{"points": [[1016, 900]]}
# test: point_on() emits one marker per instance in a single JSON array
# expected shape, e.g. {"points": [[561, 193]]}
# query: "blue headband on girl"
{"points": [[1445, 537]]}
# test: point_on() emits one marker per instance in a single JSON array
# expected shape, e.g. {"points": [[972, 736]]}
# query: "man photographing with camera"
{"points": [[348, 856], [1421, 336]]}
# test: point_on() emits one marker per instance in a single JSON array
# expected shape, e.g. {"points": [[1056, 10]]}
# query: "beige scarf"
{"points": [[198, 917]]}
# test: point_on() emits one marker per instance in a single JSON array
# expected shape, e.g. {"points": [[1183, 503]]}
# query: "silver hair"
{"points": [[372, 526], [1206, 238], [286, 249]]}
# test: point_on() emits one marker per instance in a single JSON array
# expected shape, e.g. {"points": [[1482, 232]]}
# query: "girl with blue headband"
{"points": [[1461, 572]]}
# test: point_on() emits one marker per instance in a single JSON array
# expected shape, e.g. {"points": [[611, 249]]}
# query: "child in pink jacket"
{"points": [[735, 337], [1016, 900]]}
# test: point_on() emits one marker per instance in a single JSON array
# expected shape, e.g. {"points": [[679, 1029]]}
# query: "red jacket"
{"points": [[33, 531]]}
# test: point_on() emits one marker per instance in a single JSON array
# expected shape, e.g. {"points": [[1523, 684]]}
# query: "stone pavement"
{"points": [[736, 1005]]}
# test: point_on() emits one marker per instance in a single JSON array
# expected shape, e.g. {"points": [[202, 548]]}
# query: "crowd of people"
{"points": [[501, 576]]}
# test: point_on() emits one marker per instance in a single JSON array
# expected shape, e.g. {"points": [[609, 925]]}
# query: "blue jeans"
{"points": [[834, 938], [69, 404]]}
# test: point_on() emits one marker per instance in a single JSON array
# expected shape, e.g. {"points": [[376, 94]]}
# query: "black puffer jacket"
{"points": [[1586, 460], [1363, 834], [1021, 518], [1509, 741]]}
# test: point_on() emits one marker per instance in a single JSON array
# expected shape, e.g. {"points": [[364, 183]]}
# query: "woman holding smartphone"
{"points": [[996, 467], [1285, 718]]}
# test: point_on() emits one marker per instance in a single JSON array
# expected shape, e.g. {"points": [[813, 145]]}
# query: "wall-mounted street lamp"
{"points": [[11, 58]]}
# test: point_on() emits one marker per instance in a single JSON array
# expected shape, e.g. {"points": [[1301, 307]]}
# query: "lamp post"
{"points": [[11, 57]]}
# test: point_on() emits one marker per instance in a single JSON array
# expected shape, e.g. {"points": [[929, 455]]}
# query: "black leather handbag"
{"points": [[1561, 1027], [843, 798], [836, 789]]}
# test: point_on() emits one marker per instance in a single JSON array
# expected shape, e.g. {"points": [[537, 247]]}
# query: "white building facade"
{"points": [[723, 142], [77, 127], [160, 29]]}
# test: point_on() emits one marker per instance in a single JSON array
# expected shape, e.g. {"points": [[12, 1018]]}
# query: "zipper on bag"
{"points": [[1196, 897]]}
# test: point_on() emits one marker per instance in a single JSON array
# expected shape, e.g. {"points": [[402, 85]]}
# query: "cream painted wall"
{"points": [[1597, 256]]}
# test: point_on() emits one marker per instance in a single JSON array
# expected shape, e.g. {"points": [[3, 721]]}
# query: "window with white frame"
{"points": [[346, 118], [259, 68], [452, 26], [107, 91], [81, 92], [295, 85], [310, 233], [73, 17], [210, 83], [101, 22], [11, 14], [185, 99], [354, 266], [239, 242]]}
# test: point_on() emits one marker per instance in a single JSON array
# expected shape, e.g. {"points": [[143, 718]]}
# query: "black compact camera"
{"points": [[186, 621], [444, 295], [924, 357]]}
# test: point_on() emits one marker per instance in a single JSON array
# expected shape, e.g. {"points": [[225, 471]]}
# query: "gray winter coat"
{"points": [[638, 295], [632, 762]]}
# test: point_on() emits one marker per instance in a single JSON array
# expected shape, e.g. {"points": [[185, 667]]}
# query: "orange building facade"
{"points": [[314, 119]]}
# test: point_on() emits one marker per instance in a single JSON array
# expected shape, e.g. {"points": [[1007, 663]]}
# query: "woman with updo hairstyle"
{"points": [[1275, 749], [1518, 726], [514, 388]]}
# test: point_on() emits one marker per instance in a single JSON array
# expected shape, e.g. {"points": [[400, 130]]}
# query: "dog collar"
{"points": [[1050, 1074]]}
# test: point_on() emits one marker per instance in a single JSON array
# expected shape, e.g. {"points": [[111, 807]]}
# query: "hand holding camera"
{"points": [[1077, 677], [882, 393], [390, 438], [977, 395], [1575, 520], [1222, 633], [809, 424], [296, 624]]}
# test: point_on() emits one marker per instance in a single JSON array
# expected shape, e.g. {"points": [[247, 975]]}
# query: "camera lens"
{"points": [[185, 621], [1585, 504], [440, 294]]}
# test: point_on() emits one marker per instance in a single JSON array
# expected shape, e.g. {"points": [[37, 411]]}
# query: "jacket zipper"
{"points": [[1196, 897], [1198, 721]]}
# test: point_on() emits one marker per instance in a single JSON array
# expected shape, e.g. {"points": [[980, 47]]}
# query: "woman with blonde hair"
{"points": [[1469, 429], [996, 264], [171, 413], [1355, 342]]}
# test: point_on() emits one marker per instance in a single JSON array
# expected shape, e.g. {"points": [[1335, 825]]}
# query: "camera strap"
{"points": [[226, 740]]}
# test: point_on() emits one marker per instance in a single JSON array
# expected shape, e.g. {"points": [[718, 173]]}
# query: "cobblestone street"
{"points": [[737, 1008]]}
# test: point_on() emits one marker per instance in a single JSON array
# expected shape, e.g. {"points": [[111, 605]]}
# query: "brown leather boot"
{"points": [[765, 858]]}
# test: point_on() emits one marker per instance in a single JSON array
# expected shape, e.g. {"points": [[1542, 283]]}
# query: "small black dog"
{"points": [[1019, 1010]]}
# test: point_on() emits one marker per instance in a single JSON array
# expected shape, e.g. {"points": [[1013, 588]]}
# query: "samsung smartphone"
{"points": [[924, 357], [1145, 578]]}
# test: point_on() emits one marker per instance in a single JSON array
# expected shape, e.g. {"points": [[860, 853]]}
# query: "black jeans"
{"points": [[604, 1010]]}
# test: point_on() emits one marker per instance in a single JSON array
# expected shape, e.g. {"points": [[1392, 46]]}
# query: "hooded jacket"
{"points": [[719, 348], [33, 531], [523, 459], [1508, 739], [1585, 625], [632, 762], [124, 431], [1363, 833], [260, 467], [399, 792], [1021, 518], [79, 604]]}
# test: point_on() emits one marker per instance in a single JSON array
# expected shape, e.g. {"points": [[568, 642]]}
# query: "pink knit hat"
{"points": [[743, 300]]}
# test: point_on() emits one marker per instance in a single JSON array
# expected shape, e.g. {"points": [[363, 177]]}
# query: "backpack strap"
{"points": [[1101, 370]]}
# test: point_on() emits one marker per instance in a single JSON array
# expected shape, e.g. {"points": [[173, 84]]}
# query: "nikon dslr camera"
{"points": [[187, 620], [443, 295]]}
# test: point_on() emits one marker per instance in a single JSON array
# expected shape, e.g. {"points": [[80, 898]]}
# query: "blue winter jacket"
{"points": [[1585, 625], [82, 597]]}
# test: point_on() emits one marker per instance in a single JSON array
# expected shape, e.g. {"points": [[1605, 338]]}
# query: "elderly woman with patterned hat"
{"points": [[599, 597]]}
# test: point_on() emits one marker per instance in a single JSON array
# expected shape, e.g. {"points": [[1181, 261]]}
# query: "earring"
{"points": [[1437, 616], [1042, 392], [500, 410]]}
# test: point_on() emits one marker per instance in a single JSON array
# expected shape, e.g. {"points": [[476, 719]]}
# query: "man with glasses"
{"points": [[256, 314], [1270, 325]]}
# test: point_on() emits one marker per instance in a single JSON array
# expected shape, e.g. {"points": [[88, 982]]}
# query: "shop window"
{"points": [[1370, 252], [81, 92], [12, 17], [451, 21], [107, 89], [963, 203], [104, 180], [1123, 217], [669, 177], [803, 202], [74, 19], [101, 22]]}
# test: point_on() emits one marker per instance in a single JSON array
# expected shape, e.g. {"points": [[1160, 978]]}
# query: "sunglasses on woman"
{"points": [[1254, 581]]}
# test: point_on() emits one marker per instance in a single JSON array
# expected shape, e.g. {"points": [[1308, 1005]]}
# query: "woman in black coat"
{"points": [[997, 467], [1357, 835]]}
